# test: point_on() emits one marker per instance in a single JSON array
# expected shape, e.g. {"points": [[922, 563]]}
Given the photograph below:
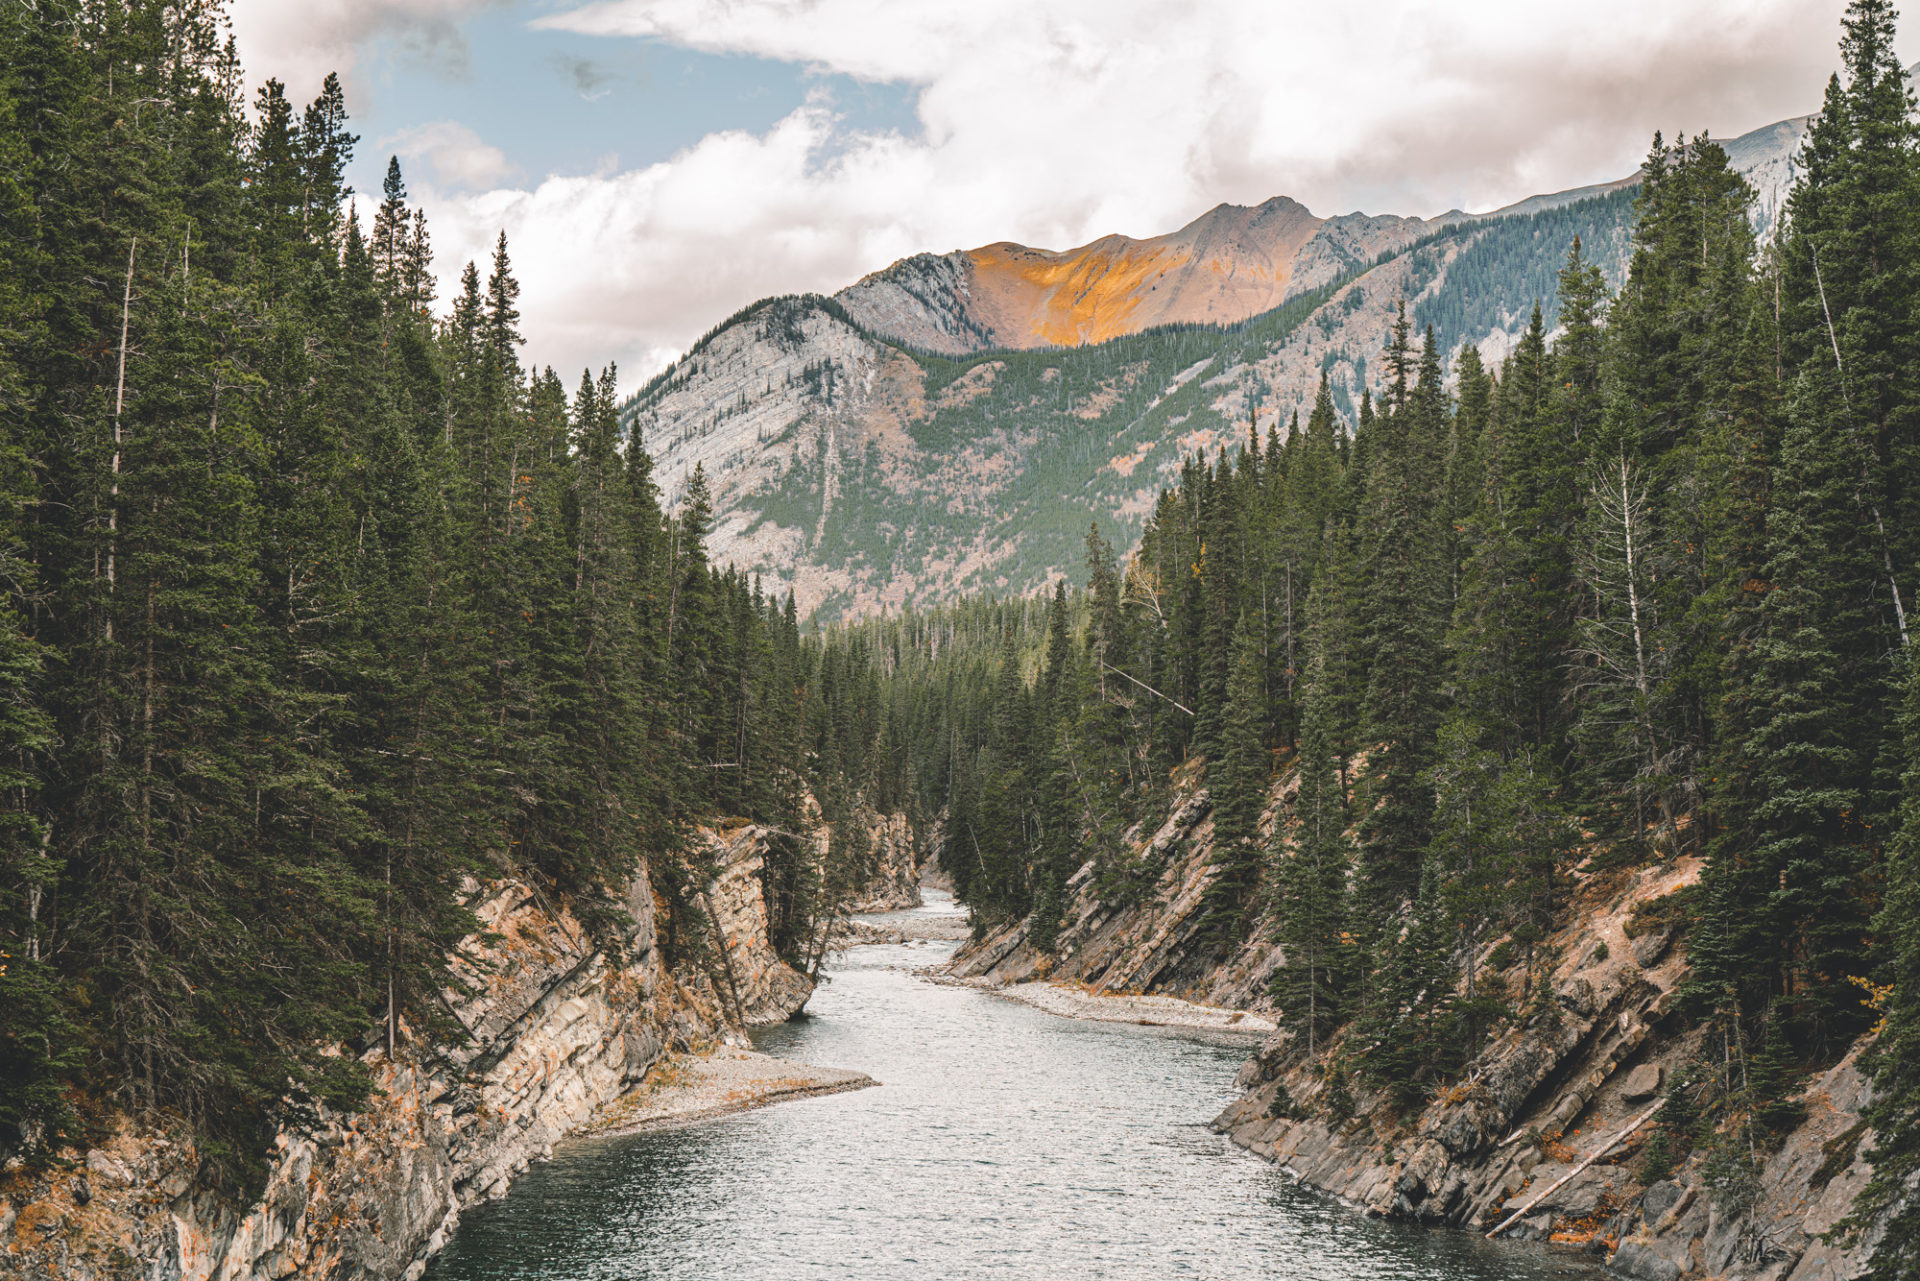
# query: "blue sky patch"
{"points": [[556, 102]]}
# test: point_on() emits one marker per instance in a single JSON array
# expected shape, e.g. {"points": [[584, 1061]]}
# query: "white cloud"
{"points": [[453, 155], [300, 41], [1054, 122]]}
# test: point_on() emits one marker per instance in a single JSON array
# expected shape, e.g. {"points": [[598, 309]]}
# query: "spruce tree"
{"points": [[1237, 782], [1895, 1110], [1309, 867], [1404, 613]]}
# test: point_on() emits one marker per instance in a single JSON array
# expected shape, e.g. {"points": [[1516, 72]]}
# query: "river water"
{"points": [[1002, 1142]]}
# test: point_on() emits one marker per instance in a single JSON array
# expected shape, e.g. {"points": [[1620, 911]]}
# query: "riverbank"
{"points": [[897, 928], [1071, 1001], [685, 1088], [1007, 1144]]}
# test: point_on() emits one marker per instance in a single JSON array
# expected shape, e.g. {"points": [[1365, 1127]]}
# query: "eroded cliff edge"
{"points": [[1535, 1102], [558, 1031]]}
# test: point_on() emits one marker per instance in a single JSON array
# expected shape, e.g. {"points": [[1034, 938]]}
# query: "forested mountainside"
{"points": [[904, 443], [320, 614], [1632, 602]]}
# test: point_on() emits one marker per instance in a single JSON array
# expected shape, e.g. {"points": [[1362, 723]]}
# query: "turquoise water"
{"points": [[1001, 1143]]}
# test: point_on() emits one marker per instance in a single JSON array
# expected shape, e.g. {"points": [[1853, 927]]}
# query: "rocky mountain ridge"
{"points": [[1229, 264], [953, 423]]}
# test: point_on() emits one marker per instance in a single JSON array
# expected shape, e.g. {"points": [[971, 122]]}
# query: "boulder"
{"points": [[1576, 997], [1589, 1192], [1658, 1199], [1640, 1263], [1642, 1083], [108, 1170], [1535, 1228], [1649, 948]]}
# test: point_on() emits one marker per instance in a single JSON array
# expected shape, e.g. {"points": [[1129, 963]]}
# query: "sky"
{"points": [[659, 164]]}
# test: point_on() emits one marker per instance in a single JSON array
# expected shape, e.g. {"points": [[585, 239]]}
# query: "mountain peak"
{"points": [[1231, 263]]}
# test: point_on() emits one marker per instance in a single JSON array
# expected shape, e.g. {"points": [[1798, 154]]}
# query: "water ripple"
{"points": [[1001, 1143]]}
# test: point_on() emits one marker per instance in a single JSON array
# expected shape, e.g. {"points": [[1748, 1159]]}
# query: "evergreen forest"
{"points": [[1640, 593], [318, 608]]}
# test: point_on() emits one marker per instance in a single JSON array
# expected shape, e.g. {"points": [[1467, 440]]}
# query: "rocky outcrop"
{"points": [[895, 883], [1561, 1094], [923, 301], [1540, 1100], [1148, 945], [757, 986], [557, 1031]]}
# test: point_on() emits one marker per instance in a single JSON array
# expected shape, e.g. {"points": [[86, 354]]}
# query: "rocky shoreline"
{"points": [[1072, 1001], [556, 1033], [686, 1088], [1535, 1104]]}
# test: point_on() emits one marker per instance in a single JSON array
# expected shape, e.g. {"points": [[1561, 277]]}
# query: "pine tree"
{"points": [[1237, 781], [1404, 614], [1309, 868], [1784, 883], [1895, 1110], [391, 242]]}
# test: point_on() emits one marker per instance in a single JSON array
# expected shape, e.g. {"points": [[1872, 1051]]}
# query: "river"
{"points": [[1002, 1142]]}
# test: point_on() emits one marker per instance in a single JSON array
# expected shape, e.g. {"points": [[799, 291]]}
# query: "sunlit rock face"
{"points": [[1232, 262], [559, 1027], [954, 423]]}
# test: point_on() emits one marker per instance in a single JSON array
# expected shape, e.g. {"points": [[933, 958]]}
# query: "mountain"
{"points": [[1227, 265], [955, 422]]}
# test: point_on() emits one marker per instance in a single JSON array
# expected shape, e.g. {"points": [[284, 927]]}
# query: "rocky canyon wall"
{"points": [[557, 1032], [895, 883], [1533, 1104]]}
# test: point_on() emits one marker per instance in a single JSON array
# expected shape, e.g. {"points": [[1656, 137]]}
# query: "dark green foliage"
{"points": [[1657, 1158], [1519, 258], [1238, 780], [312, 608], [1895, 1112], [1637, 594], [1309, 879], [1404, 614]]}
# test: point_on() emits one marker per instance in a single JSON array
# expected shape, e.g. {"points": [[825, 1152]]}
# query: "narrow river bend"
{"points": [[1001, 1143]]}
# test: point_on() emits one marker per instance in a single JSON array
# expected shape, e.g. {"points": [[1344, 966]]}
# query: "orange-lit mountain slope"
{"points": [[1230, 263]]}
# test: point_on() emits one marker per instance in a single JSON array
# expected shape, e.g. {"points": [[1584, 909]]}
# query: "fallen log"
{"points": [[1562, 1181]]}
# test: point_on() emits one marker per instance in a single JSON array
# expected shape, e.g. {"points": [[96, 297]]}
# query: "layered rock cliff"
{"points": [[1541, 1098], [896, 856], [756, 986], [557, 1032]]}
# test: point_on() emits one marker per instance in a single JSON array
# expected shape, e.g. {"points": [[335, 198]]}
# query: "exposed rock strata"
{"points": [[557, 1033], [896, 866], [758, 987], [1149, 947], [1532, 1105]]}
